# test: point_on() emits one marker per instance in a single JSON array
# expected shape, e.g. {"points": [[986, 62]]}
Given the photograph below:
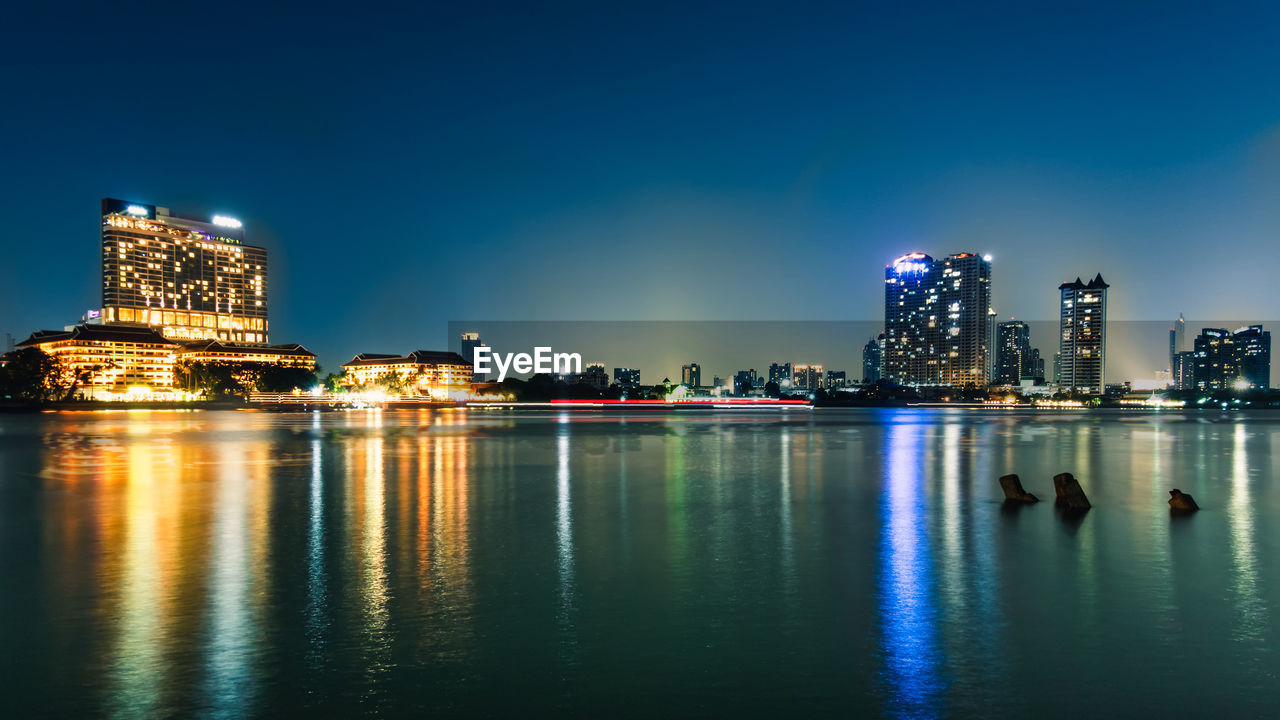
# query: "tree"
{"points": [[771, 389], [34, 375]]}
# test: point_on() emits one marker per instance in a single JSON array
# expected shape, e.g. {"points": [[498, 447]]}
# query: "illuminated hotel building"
{"points": [[191, 278], [936, 320], [1082, 341], [1013, 353], [216, 351], [110, 361], [432, 373]]}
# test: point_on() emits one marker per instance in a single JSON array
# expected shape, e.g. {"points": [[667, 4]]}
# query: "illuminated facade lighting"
{"points": [[426, 373], [1082, 345], [191, 279], [109, 363], [936, 315]]}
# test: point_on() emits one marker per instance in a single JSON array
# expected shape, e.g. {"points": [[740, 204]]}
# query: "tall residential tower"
{"points": [[1083, 335], [936, 320]]}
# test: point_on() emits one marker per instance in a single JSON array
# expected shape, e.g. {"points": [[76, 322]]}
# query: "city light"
{"points": [[225, 221], [136, 210]]}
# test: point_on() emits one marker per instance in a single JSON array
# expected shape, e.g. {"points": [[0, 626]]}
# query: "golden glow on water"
{"points": [[1251, 610]]}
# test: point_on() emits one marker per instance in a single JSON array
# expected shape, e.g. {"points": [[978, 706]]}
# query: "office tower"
{"points": [[936, 320], [806, 376], [626, 377], [691, 375], [744, 381], [836, 379], [1036, 372], [1253, 357], [1013, 352], [471, 341], [1083, 335], [872, 357], [993, 321], [191, 278], [1177, 335], [1215, 360], [780, 374], [1184, 370]]}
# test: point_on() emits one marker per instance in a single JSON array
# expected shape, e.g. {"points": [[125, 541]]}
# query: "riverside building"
{"points": [[936, 320], [428, 373], [1082, 346], [192, 278]]}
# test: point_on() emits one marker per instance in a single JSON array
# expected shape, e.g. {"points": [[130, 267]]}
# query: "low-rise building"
{"points": [[432, 373], [110, 362], [211, 351]]}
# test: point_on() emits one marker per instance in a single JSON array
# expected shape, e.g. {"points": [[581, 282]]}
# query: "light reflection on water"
{"points": [[225, 564]]}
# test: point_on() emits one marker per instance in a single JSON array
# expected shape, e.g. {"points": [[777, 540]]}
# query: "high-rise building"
{"points": [[1176, 336], [1233, 361], [626, 377], [1184, 370], [188, 277], [1253, 356], [1083, 335], [780, 374], [1013, 352], [806, 376], [691, 375], [936, 320], [744, 381], [836, 379], [471, 341], [872, 358], [1035, 372]]}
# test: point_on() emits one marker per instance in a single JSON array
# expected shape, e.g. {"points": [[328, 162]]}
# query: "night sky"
{"points": [[606, 161]]}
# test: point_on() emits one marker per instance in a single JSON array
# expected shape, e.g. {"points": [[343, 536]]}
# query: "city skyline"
{"points": [[493, 179]]}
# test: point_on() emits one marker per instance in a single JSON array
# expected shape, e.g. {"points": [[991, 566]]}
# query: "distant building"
{"points": [[593, 375], [1176, 339], [780, 374], [626, 377], [1035, 373], [471, 341], [109, 362], [805, 376], [1057, 368], [1083, 335], [836, 379], [744, 381], [428, 373], [1184, 370], [192, 278], [1253, 356], [872, 359], [1239, 360], [937, 320], [691, 375], [1013, 352]]}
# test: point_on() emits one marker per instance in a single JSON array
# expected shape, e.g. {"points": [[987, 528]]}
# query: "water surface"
{"points": [[227, 564]]}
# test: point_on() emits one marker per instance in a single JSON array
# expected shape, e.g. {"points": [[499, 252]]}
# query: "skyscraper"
{"points": [[1177, 334], [780, 374], [1083, 335], [936, 320], [872, 357], [471, 341], [1013, 352], [1232, 361], [1253, 356], [189, 277]]}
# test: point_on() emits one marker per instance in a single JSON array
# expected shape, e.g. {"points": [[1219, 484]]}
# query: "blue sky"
{"points": [[650, 161]]}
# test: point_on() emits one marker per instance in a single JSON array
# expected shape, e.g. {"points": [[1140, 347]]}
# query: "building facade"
{"points": [[426, 373], [626, 377], [111, 362], [806, 376], [872, 359], [936, 320], [216, 351], [691, 375], [1013, 352], [1232, 361], [1082, 344], [191, 278]]}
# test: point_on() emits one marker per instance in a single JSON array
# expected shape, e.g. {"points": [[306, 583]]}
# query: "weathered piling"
{"points": [[1181, 502], [1013, 491], [1070, 495]]}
